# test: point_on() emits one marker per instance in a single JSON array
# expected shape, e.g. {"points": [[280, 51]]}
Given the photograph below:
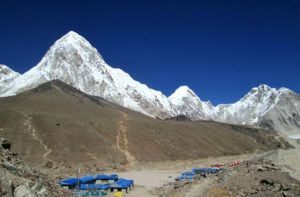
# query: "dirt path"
{"points": [[122, 140], [28, 124]]}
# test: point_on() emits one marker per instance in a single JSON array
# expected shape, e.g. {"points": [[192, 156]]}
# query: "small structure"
{"points": [[122, 184], [197, 173], [206, 170], [234, 163], [217, 165], [96, 185], [186, 176]]}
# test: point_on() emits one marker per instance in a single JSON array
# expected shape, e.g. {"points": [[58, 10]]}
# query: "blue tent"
{"points": [[186, 175], [206, 170]]}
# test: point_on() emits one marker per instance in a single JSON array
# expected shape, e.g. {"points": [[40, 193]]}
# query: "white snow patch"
{"points": [[294, 137]]}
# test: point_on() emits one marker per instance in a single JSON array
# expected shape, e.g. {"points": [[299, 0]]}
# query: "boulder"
{"points": [[5, 144], [23, 191], [6, 185]]}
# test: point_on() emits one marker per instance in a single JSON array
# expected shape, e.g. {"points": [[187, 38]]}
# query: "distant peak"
{"points": [[183, 91], [73, 33], [74, 41], [285, 90], [264, 87], [183, 88], [261, 88], [71, 38]]}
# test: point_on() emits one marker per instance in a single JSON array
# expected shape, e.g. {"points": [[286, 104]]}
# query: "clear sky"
{"points": [[220, 49]]}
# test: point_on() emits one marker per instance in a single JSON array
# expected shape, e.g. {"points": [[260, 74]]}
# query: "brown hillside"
{"points": [[58, 124]]}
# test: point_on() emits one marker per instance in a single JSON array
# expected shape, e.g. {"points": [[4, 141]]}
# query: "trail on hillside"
{"points": [[29, 126], [122, 140]]}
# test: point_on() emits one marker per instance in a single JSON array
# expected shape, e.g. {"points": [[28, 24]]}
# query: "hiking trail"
{"points": [[122, 140], [28, 125]]}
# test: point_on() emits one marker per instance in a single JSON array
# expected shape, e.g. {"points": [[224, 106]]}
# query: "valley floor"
{"points": [[259, 174], [157, 179]]}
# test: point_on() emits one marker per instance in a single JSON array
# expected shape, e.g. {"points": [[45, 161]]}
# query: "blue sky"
{"points": [[220, 49]]}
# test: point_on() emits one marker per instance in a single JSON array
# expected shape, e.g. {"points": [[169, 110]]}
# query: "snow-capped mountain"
{"points": [[73, 60], [263, 106], [186, 102], [266, 107], [284, 115], [248, 109]]}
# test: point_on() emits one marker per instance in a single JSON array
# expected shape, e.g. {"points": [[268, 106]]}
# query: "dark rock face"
{"points": [[5, 144], [179, 118]]}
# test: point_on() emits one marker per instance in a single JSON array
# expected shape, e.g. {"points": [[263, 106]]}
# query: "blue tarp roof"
{"points": [[86, 179], [106, 177], [206, 170], [122, 184], [186, 175], [119, 184], [69, 182]]}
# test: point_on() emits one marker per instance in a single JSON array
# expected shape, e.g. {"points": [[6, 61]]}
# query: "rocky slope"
{"points": [[73, 60]]}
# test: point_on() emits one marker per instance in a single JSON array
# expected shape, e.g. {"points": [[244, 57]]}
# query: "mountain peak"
{"points": [[73, 49], [72, 39], [182, 92], [260, 89], [72, 34], [284, 90], [264, 87]]}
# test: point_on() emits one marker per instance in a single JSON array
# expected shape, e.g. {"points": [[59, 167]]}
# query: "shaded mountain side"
{"points": [[285, 116], [57, 124]]}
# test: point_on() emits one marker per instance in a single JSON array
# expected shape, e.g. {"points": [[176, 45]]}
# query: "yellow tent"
{"points": [[118, 194]]}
